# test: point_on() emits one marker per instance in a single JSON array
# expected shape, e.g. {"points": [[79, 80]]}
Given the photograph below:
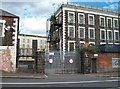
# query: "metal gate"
{"points": [[62, 62]]}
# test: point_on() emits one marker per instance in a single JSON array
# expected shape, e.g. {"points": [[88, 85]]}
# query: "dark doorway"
{"points": [[93, 65]]}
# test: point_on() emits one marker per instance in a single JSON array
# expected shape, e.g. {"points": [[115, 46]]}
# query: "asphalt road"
{"points": [[66, 80]]}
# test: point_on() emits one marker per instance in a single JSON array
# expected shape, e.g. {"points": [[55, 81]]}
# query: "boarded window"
{"points": [[109, 23], [71, 32], [116, 34], [81, 33], [71, 18], [91, 20], [102, 34], [110, 36], [102, 23], [1, 29], [92, 33], [71, 47]]}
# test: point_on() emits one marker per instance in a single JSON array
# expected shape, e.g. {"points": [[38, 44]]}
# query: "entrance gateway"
{"points": [[59, 62], [67, 62]]}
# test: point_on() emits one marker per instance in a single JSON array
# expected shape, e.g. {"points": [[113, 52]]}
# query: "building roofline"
{"points": [[87, 7], [31, 35], [4, 13]]}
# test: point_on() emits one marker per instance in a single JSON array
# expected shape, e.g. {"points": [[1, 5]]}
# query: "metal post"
{"points": [[63, 56]]}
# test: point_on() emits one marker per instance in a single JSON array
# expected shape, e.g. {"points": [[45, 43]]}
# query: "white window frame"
{"points": [[69, 31], [108, 35], [102, 42], [107, 21], [117, 43], [82, 42], [114, 23], [114, 35], [79, 32], [101, 34], [89, 32], [89, 20], [79, 18], [69, 45], [3, 22], [104, 20], [92, 43], [73, 17]]}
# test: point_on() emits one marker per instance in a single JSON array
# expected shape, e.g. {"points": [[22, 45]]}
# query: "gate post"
{"points": [[35, 62]]}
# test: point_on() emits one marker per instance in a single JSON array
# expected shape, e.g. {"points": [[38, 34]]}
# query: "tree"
{"points": [[90, 48]]}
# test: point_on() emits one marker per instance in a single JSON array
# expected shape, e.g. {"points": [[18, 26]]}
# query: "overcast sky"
{"points": [[33, 14]]}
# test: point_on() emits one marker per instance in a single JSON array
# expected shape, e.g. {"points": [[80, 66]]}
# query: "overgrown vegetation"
{"points": [[90, 49]]}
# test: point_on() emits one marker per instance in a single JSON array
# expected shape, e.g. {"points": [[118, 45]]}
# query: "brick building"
{"points": [[74, 25], [106, 62], [27, 45], [9, 28], [109, 58]]}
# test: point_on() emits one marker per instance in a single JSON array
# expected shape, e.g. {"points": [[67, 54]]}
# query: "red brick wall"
{"points": [[6, 18], [104, 60], [6, 63]]}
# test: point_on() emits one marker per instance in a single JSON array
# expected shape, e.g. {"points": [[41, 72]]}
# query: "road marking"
{"points": [[46, 76], [75, 82], [115, 77]]}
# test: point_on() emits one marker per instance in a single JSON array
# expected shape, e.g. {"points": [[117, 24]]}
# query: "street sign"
{"points": [[115, 62], [71, 61], [50, 61]]}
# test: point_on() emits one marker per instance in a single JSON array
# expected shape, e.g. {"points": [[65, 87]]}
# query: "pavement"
{"points": [[110, 74], [22, 75], [43, 76]]}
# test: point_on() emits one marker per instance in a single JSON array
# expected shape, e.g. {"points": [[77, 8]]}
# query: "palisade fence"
{"points": [[62, 62]]}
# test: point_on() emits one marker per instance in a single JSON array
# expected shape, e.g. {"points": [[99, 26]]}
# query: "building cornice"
{"points": [[88, 8], [31, 35]]}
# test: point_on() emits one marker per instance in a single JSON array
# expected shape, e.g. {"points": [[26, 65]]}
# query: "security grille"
{"points": [[62, 62]]}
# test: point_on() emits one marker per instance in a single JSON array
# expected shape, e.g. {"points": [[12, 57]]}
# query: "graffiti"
{"points": [[6, 63], [117, 63]]}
